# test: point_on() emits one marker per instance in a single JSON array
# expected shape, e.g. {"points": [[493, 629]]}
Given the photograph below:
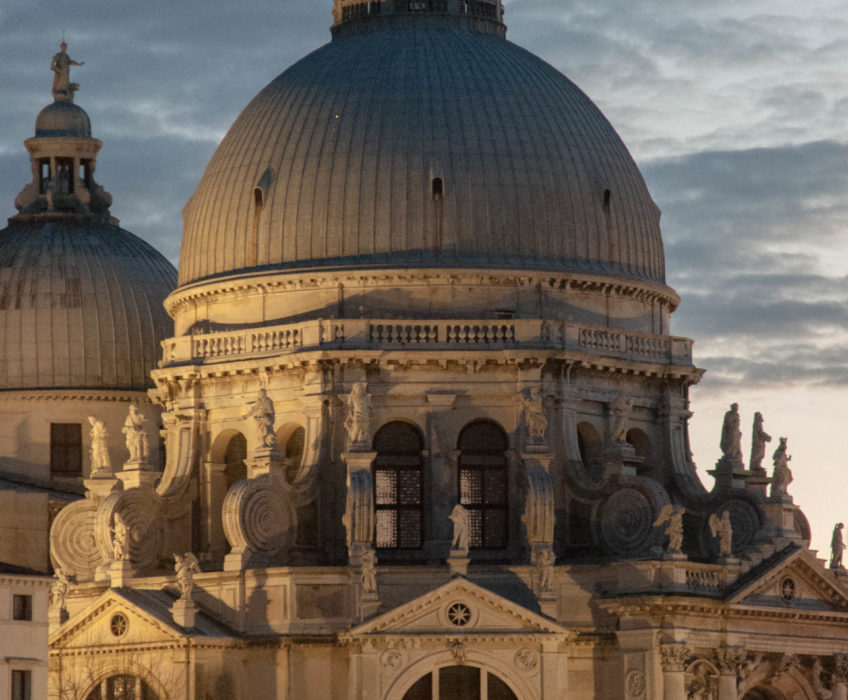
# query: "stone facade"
{"points": [[413, 477]]}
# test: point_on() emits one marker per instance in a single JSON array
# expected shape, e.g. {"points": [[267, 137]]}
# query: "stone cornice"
{"points": [[122, 395], [326, 278]]}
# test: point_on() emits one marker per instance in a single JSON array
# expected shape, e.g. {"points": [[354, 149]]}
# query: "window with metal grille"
{"points": [[66, 448], [484, 483], [398, 487]]}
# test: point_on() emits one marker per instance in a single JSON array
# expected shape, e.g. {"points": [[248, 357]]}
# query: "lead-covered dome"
{"points": [[422, 141], [80, 305]]}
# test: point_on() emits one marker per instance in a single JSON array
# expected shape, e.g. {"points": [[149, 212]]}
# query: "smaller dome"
{"points": [[63, 119]]}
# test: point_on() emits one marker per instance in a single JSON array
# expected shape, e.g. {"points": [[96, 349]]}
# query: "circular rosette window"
{"points": [[73, 546], [259, 518], [140, 513], [626, 518]]}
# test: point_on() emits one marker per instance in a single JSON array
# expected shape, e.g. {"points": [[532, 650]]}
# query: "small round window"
{"points": [[459, 614], [788, 590], [119, 624]]}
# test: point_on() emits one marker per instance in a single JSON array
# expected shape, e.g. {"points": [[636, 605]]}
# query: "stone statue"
{"points": [[534, 417], [368, 571], [672, 517], [100, 462], [620, 409], [59, 589], [120, 539], [461, 529], [61, 67], [731, 435], [837, 546], [545, 560], [262, 412], [759, 438], [359, 412], [723, 529], [782, 474], [186, 566], [816, 682], [137, 441]]}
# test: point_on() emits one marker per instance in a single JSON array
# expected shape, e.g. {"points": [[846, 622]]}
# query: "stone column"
{"points": [[214, 488], [729, 661], [673, 658], [840, 677], [359, 510]]}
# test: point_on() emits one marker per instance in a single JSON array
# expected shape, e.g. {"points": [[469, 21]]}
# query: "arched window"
{"points": [[294, 445], [399, 487], [123, 687], [484, 483], [641, 444], [234, 458], [460, 683]]}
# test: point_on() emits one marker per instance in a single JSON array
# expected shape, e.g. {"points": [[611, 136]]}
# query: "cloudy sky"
{"points": [[736, 111]]}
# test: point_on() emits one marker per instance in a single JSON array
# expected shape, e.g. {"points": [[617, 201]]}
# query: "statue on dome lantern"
{"points": [[61, 64]]}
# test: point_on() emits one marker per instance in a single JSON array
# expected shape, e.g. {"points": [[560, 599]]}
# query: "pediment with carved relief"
{"points": [[796, 580], [459, 608]]}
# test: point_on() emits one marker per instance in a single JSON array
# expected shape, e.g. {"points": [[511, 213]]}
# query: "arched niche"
{"points": [[291, 438], [460, 683], [641, 444], [591, 448], [399, 486], [234, 458]]}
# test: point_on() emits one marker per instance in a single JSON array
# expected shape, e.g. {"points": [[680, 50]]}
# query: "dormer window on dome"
{"points": [[63, 154]]}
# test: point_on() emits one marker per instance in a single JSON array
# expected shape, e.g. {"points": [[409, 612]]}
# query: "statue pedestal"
{"points": [[184, 611], [237, 560], [267, 460], [674, 555], [120, 573], [621, 459], [730, 474], [780, 514], [548, 604], [98, 487], [458, 563], [137, 475], [758, 481], [369, 604]]}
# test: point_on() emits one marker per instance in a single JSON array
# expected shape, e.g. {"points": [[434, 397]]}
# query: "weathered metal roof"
{"points": [[80, 305], [418, 141]]}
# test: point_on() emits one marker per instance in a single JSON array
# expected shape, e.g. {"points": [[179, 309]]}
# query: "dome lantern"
{"points": [[63, 155], [358, 15]]}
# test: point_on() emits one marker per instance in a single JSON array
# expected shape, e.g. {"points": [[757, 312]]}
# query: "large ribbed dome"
{"points": [[420, 142], [80, 306]]}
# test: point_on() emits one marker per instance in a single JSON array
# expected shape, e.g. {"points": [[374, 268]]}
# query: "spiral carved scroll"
{"points": [[627, 517], [141, 512], [73, 546], [258, 517]]}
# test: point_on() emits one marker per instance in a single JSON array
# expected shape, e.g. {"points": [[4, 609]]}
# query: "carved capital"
{"points": [[840, 668], [730, 660], [673, 657]]}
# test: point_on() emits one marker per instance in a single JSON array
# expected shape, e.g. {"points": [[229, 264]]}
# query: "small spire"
{"points": [[63, 88]]}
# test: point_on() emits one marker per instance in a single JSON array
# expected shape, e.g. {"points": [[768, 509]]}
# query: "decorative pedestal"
{"points": [[137, 475], [120, 573], [267, 460], [730, 474], [184, 611], [621, 459], [369, 604], [674, 555], [780, 513], [458, 563], [98, 487]]}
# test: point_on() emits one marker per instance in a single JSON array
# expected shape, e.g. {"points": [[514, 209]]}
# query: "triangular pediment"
{"points": [[459, 608], [146, 619], [796, 580]]}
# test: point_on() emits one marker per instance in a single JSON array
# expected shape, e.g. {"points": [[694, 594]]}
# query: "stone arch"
{"points": [[702, 680], [151, 687], [520, 684], [291, 437], [791, 683], [641, 443], [591, 447]]}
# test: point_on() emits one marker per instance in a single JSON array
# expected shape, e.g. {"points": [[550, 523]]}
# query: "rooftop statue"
{"points": [[782, 475], [723, 529], [837, 547], [759, 438], [100, 463], [63, 88], [731, 435], [672, 517], [186, 566], [621, 408], [120, 539], [262, 413], [138, 444], [534, 417], [359, 412], [461, 529]]}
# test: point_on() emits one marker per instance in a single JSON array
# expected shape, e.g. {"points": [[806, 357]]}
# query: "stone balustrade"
{"points": [[362, 334]]}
